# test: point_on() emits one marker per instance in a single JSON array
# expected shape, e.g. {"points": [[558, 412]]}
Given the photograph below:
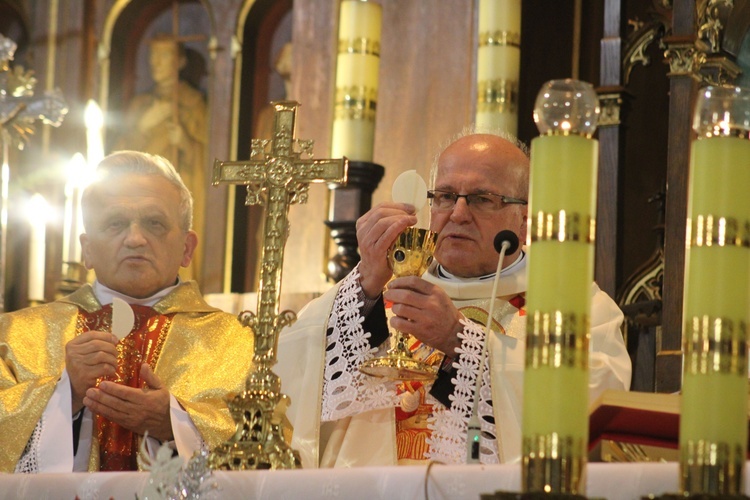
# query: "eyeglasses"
{"points": [[480, 202]]}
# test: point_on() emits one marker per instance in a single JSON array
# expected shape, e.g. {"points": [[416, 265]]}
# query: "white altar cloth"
{"points": [[612, 481]]}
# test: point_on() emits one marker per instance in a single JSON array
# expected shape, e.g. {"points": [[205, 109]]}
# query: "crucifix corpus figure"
{"points": [[276, 177]]}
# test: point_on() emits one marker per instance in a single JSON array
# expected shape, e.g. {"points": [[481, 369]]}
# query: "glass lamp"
{"points": [[562, 213], [716, 302]]}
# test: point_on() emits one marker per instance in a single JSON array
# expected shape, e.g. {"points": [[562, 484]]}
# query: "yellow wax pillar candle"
{"points": [[357, 67], [713, 423], [498, 64], [562, 205]]}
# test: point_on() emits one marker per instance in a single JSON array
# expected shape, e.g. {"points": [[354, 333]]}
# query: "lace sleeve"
{"points": [[346, 391], [449, 428], [29, 461]]}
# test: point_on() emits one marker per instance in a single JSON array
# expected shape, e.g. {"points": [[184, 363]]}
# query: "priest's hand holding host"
{"points": [[74, 397], [479, 187]]}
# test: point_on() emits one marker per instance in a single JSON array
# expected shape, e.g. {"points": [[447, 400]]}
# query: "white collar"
{"points": [[513, 282], [444, 274], [104, 295]]}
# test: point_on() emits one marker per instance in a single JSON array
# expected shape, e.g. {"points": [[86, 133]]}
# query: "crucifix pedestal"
{"points": [[276, 177]]}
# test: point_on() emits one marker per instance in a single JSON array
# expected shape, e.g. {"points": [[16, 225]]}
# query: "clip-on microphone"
{"points": [[505, 242]]}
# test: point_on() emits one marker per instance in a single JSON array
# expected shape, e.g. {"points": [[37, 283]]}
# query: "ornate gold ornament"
{"points": [[640, 41], [609, 106], [20, 106], [277, 177], [684, 58], [712, 16], [645, 33]]}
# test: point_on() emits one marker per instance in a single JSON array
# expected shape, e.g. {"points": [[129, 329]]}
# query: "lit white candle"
{"points": [[38, 213], [73, 225], [94, 120]]}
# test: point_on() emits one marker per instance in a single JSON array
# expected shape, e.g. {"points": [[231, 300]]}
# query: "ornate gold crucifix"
{"points": [[277, 178]]}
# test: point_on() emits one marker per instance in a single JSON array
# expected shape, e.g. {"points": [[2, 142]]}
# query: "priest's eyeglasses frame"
{"points": [[480, 202]]}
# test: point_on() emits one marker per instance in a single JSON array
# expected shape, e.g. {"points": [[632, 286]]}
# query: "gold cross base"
{"points": [[259, 442]]}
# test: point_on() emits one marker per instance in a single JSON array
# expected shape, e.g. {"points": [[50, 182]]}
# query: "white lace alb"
{"points": [[347, 392]]}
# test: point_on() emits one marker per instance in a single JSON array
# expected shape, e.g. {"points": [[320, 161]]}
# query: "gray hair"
{"points": [[472, 130], [136, 162]]}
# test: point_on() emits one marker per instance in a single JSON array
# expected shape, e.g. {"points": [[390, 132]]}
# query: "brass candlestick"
{"points": [[410, 255]]}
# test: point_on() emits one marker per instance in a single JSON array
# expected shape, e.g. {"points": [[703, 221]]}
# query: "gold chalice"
{"points": [[410, 255]]}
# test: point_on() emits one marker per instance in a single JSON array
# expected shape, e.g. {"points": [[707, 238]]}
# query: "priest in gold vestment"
{"points": [[345, 418], [72, 396]]}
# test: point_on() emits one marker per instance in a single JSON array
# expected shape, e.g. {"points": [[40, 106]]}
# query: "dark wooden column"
{"points": [[223, 53], [610, 143], [681, 55]]}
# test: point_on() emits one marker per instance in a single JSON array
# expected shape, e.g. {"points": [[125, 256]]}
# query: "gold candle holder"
{"points": [[713, 423], [562, 211], [410, 255]]}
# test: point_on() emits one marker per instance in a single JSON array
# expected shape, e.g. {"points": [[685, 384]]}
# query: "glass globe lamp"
{"points": [[565, 107], [722, 112]]}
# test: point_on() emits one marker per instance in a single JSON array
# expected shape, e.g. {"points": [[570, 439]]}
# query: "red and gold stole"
{"points": [[412, 416], [118, 447]]}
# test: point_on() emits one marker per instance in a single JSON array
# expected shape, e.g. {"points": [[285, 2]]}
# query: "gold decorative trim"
{"points": [[636, 53], [609, 105], [719, 70], [355, 103], [563, 226], [500, 39], [715, 345], [557, 339], [684, 59], [710, 14], [499, 96], [363, 46], [553, 464], [712, 468], [709, 230]]}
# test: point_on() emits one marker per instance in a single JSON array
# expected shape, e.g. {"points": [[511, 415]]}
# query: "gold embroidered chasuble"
{"points": [[200, 353]]}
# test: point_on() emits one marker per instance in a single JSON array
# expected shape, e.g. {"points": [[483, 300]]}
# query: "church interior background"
{"points": [[646, 58]]}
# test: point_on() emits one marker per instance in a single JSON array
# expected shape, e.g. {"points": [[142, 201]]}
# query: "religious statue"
{"points": [[283, 65], [171, 120]]}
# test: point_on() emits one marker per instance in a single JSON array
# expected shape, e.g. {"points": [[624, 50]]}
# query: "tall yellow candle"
{"points": [[357, 68], [498, 64], [562, 211], [713, 422]]}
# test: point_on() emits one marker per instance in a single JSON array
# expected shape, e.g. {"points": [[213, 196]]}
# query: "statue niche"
{"points": [[171, 121]]}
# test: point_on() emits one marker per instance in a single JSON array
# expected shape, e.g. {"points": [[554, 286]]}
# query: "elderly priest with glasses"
{"points": [[342, 417]]}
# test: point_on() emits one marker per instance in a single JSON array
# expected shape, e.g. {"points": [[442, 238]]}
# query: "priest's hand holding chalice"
{"points": [[409, 255]]}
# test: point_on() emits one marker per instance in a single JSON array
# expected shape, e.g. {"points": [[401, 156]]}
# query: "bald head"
{"points": [[503, 157], [479, 164]]}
